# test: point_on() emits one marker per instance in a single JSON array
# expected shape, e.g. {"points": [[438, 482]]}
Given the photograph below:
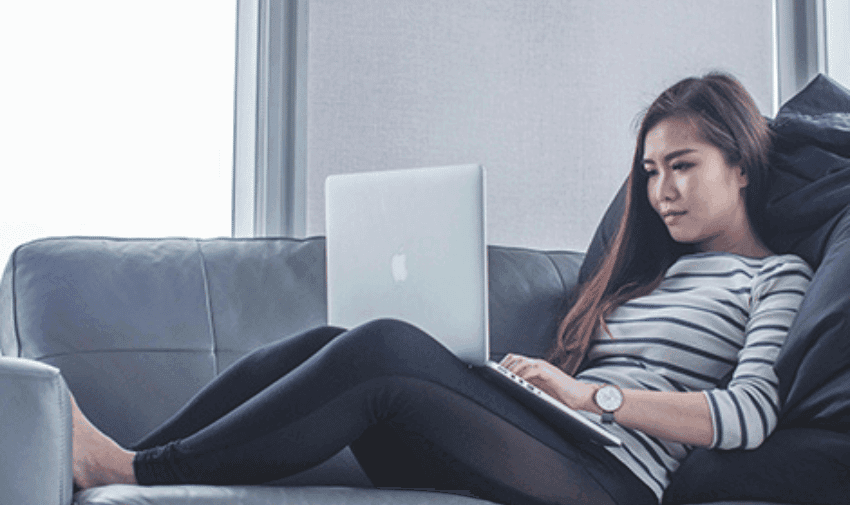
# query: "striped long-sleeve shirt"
{"points": [[713, 313]]}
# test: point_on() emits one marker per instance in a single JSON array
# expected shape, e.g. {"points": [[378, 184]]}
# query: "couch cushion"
{"points": [[809, 206], [122, 319], [90, 295], [261, 290], [814, 468], [144, 323], [529, 292], [259, 495]]}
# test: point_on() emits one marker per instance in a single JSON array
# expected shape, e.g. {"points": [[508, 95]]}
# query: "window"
{"points": [[117, 119], [812, 36], [837, 40]]}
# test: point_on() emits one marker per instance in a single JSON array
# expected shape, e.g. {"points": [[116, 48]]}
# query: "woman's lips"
{"points": [[673, 216]]}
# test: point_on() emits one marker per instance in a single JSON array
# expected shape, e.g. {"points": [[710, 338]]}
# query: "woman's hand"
{"points": [[552, 380], [675, 416]]}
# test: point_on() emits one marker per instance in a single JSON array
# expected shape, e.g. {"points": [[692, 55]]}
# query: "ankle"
{"points": [[124, 466]]}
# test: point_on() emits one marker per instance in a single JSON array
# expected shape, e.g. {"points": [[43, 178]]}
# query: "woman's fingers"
{"points": [[520, 365], [512, 361]]}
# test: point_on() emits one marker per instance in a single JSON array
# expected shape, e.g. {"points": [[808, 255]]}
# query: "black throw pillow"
{"points": [[792, 466]]}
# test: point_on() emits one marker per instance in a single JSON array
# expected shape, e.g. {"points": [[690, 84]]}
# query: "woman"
{"points": [[687, 294]]}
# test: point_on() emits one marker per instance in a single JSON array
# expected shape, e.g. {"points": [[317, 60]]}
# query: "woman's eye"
{"points": [[650, 173], [681, 166]]}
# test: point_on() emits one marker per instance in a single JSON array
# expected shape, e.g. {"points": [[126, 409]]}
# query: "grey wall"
{"points": [[544, 93]]}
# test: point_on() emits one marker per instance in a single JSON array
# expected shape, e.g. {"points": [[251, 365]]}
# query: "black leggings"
{"points": [[414, 415]]}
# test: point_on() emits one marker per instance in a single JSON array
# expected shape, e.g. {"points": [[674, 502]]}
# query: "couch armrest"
{"points": [[35, 436]]}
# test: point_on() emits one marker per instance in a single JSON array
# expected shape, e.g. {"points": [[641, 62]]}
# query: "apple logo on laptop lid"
{"points": [[399, 266]]}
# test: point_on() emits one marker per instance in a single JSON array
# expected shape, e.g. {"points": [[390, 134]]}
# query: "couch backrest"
{"points": [[141, 325]]}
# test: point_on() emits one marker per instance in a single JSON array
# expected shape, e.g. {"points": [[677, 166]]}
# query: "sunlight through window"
{"points": [[117, 119]]}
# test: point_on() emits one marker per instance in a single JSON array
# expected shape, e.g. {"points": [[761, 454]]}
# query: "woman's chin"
{"points": [[685, 239], [681, 236]]}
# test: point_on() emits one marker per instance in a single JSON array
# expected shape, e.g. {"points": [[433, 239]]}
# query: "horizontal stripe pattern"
{"points": [[714, 313]]}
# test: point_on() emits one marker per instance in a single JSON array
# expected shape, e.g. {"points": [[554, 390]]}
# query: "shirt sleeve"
{"points": [[747, 411]]}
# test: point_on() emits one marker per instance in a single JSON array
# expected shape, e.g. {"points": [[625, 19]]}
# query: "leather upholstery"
{"points": [[529, 291], [138, 326], [35, 440], [246, 495]]}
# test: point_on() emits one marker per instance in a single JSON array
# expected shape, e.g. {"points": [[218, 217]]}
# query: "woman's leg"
{"points": [[237, 383], [385, 375], [100, 460], [452, 443]]}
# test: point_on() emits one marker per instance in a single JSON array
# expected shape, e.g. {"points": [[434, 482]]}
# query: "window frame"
{"points": [[270, 119], [808, 36]]}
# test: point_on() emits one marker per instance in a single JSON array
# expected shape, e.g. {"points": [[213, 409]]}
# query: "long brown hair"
{"points": [[726, 116]]}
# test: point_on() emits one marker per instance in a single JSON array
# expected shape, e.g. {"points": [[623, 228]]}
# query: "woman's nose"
{"points": [[665, 188]]}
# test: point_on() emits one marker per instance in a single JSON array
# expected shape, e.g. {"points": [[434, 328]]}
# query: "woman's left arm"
{"points": [[747, 411], [675, 416]]}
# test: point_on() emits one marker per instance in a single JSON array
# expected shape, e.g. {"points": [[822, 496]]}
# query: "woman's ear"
{"points": [[743, 180]]}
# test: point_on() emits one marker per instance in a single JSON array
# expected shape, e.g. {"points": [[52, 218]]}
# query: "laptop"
{"points": [[412, 245]]}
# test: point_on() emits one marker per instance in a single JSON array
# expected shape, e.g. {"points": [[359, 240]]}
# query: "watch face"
{"points": [[609, 398]]}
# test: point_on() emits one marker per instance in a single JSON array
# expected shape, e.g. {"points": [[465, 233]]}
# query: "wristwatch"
{"points": [[609, 398]]}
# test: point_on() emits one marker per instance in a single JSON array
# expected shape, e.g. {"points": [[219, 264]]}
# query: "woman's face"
{"points": [[698, 195]]}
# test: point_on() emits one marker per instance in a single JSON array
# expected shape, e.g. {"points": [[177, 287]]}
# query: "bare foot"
{"points": [[98, 460]]}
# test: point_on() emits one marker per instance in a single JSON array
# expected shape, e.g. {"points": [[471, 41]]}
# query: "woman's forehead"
{"points": [[672, 136]]}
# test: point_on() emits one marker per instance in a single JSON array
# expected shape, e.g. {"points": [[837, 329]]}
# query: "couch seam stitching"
{"points": [[47, 357], [15, 322], [560, 276], [210, 321], [64, 406]]}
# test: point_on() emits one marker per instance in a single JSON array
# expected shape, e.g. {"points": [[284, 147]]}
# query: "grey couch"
{"points": [[137, 326]]}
